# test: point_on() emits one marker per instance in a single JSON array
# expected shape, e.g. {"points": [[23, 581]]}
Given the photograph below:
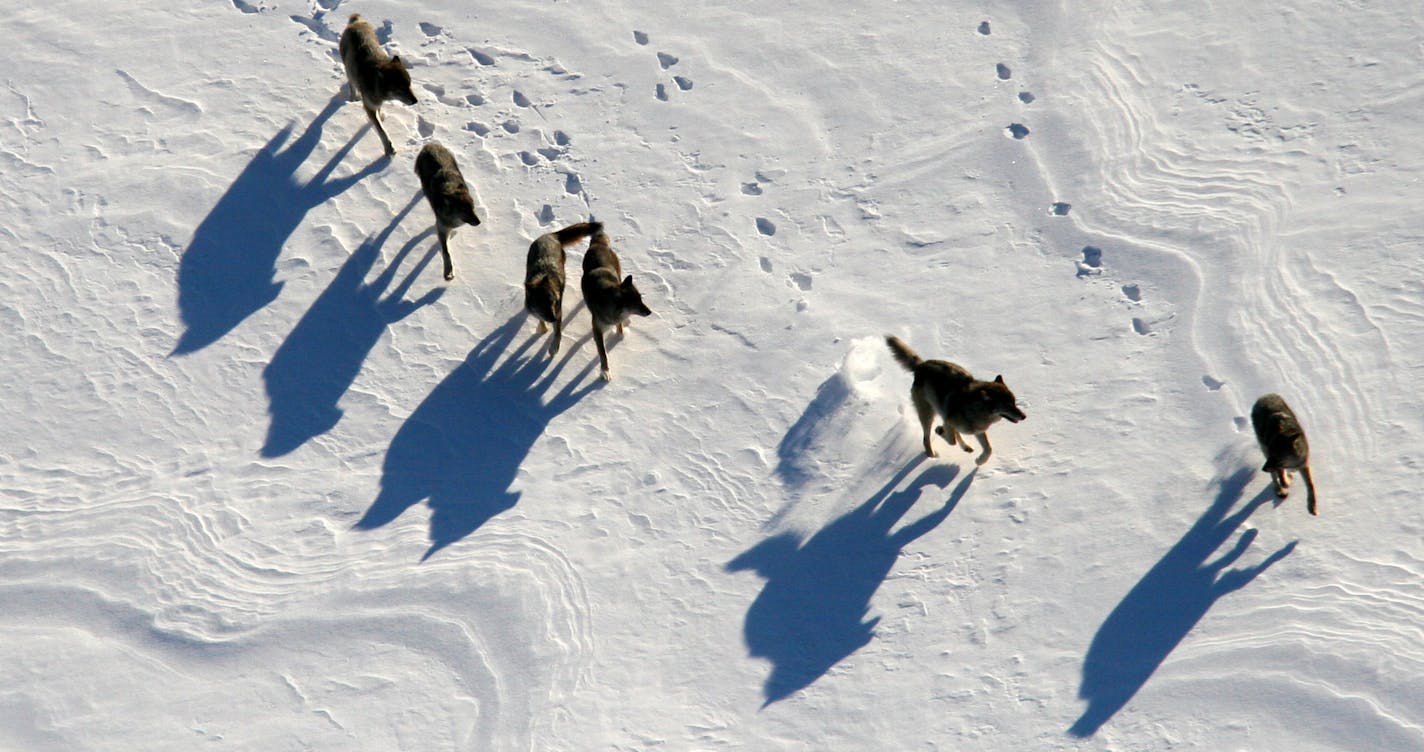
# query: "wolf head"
{"points": [[542, 298], [1001, 401], [396, 80], [630, 301]]}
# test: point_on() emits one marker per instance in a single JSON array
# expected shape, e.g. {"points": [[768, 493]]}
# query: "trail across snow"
{"points": [[268, 481]]}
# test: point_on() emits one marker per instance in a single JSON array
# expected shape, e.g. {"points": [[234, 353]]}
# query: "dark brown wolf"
{"points": [[964, 404], [1283, 442], [544, 278], [449, 197], [371, 76], [610, 302]]}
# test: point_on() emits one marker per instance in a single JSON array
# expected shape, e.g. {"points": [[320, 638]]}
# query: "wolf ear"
{"points": [[628, 281], [396, 60], [999, 379]]}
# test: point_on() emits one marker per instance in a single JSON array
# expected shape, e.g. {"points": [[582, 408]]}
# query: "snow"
{"points": [[268, 481]]}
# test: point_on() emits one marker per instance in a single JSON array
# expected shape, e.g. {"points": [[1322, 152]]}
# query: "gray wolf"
{"points": [[449, 198], [1283, 442], [964, 404], [544, 277], [371, 76], [610, 302]]}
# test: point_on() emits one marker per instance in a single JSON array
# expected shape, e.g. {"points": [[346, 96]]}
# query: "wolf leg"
{"points": [[445, 253], [983, 442], [1309, 490], [926, 413]]}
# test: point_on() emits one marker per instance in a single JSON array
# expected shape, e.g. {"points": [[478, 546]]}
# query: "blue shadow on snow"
{"points": [[322, 356], [227, 272], [811, 613], [1166, 603], [462, 447]]}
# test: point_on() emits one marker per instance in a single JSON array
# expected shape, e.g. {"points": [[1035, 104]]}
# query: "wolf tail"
{"points": [[903, 354], [576, 232]]}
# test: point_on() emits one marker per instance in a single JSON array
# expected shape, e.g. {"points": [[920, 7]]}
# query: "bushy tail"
{"points": [[576, 232], [903, 354]]}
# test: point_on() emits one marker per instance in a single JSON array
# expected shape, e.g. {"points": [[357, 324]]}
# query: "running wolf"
{"points": [[610, 302], [1283, 442], [965, 404], [371, 76], [449, 198]]}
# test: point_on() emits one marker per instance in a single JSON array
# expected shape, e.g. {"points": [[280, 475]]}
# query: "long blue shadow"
{"points": [[811, 613], [1166, 603], [227, 272], [322, 356], [462, 447]]}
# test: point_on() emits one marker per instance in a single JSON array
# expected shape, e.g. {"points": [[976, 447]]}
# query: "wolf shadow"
{"points": [[320, 359], [810, 615], [1164, 606], [227, 272], [462, 447]]}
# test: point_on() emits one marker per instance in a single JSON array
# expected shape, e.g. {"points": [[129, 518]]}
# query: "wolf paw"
{"points": [[605, 375]]}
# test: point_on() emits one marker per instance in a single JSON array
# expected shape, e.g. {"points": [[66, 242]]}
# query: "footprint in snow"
{"points": [[1060, 209], [984, 28], [765, 226], [1002, 71], [430, 29], [666, 60], [1016, 131], [640, 37]]}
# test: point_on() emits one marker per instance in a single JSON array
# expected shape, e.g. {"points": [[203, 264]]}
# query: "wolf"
{"points": [[610, 302], [1283, 442], [544, 277], [965, 404], [371, 76], [449, 198]]}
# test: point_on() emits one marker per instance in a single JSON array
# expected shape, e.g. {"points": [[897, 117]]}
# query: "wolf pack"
{"points": [[939, 389]]}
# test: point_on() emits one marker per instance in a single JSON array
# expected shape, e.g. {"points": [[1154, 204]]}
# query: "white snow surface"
{"points": [[268, 482]]}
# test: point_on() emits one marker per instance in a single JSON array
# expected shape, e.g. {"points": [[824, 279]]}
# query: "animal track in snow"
{"points": [[1133, 293], [765, 264], [640, 37], [1060, 208], [751, 189], [984, 28], [802, 280], [1002, 71], [528, 159], [572, 184], [661, 93], [1213, 384], [549, 153], [479, 129], [510, 126], [683, 82], [246, 7], [1141, 327], [666, 60], [1092, 262], [765, 226], [430, 29], [1026, 97], [1016, 131], [474, 100], [545, 215], [425, 128], [521, 100], [480, 57], [561, 138]]}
